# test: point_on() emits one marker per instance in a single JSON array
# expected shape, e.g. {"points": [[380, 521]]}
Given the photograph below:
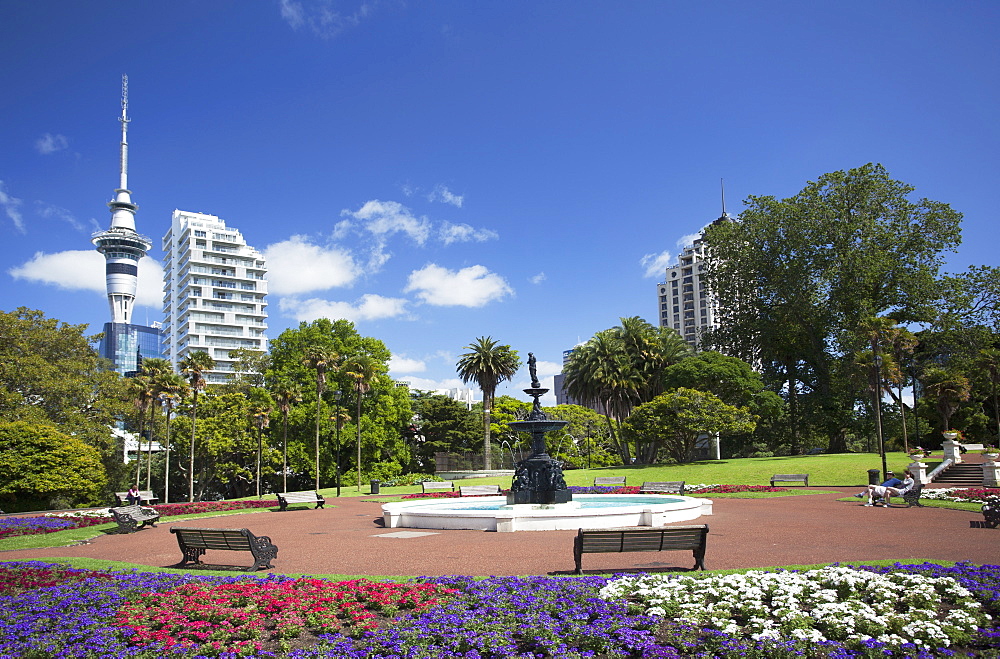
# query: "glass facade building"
{"points": [[126, 345]]}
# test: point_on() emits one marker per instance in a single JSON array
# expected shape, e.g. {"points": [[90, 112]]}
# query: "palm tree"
{"points": [[321, 359], [173, 388], [193, 367], [620, 368], [153, 368], [487, 364], [989, 358], [363, 369], [143, 396], [260, 416], [949, 389], [286, 394]]}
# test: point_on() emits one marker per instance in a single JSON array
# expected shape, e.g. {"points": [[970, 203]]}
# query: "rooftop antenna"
{"points": [[725, 215], [123, 161]]}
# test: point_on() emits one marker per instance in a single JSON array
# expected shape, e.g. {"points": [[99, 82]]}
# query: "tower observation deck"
{"points": [[120, 244]]}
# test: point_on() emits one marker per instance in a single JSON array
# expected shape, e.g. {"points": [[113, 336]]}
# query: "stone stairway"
{"points": [[961, 475]]}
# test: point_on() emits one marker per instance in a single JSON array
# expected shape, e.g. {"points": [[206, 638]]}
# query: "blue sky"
{"points": [[439, 171]]}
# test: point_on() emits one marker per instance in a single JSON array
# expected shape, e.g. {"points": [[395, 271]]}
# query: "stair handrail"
{"points": [[938, 469]]}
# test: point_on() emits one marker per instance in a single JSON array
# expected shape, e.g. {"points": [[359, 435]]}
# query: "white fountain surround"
{"points": [[632, 510]]}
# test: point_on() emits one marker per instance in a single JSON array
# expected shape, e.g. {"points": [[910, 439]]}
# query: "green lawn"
{"points": [[835, 470]]}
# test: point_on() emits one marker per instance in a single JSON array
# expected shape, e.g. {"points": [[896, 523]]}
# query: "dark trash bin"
{"points": [[375, 486], [874, 476]]}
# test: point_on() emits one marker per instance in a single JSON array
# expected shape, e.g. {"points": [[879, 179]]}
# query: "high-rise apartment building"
{"points": [[214, 292], [123, 343], [685, 302]]}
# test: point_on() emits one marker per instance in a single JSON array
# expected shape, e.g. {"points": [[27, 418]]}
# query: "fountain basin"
{"points": [[585, 511]]}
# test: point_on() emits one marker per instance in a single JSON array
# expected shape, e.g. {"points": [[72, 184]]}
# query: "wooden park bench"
{"points": [[479, 490], [666, 487], [132, 518], [911, 498], [667, 538], [307, 496], [145, 496], [610, 480], [194, 542], [790, 478], [437, 485]]}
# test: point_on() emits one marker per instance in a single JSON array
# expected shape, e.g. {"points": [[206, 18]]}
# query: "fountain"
{"points": [[539, 478], [539, 499]]}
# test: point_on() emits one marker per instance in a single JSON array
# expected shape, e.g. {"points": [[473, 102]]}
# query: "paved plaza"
{"points": [[347, 537]]}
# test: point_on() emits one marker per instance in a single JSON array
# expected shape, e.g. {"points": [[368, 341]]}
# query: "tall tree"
{"points": [[674, 421], [363, 370], [620, 368], [488, 363], [989, 359], [173, 389], [947, 388], [193, 367], [153, 369], [285, 394], [320, 359], [795, 279], [143, 396]]}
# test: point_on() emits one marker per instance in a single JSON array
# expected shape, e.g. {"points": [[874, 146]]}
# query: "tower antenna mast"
{"points": [[123, 160]]}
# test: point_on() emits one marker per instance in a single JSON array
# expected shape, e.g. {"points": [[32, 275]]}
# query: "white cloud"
{"points": [[385, 218], [48, 211], [655, 264], [83, 270], [398, 364], [297, 266], [368, 307], [538, 279], [443, 194], [688, 240], [474, 286], [11, 208], [449, 233], [49, 143], [320, 17]]}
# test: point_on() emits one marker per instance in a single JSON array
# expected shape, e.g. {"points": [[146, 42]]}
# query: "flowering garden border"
{"points": [[50, 611]]}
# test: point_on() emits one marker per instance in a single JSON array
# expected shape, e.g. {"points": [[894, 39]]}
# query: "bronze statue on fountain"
{"points": [[539, 478]]}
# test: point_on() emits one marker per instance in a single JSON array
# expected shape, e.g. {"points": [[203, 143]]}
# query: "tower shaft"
{"points": [[120, 244]]}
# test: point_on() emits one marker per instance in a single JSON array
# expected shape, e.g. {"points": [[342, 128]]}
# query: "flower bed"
{"points": [[50, 612], [856, 608], [51, 522], [961, 494], [15, 526]]}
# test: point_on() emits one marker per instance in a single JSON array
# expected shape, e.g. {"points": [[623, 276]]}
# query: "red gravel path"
{"points": [[347, 538]]}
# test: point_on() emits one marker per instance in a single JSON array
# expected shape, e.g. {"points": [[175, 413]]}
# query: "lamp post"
{"points": [[877, 394], [336, 468]]}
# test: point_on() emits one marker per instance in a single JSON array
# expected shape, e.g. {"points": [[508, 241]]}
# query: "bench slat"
{"points": [[670, 487], [193, 543], [609, 480], [668, 538], [306, 496], [790, 478], [477, 490]]}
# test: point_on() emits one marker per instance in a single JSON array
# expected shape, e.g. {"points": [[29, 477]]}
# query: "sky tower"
{"points": [[121, 246]]}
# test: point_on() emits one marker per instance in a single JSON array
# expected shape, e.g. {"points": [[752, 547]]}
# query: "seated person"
{"points": [[884, 492], [892, 481], [132, 496]]}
